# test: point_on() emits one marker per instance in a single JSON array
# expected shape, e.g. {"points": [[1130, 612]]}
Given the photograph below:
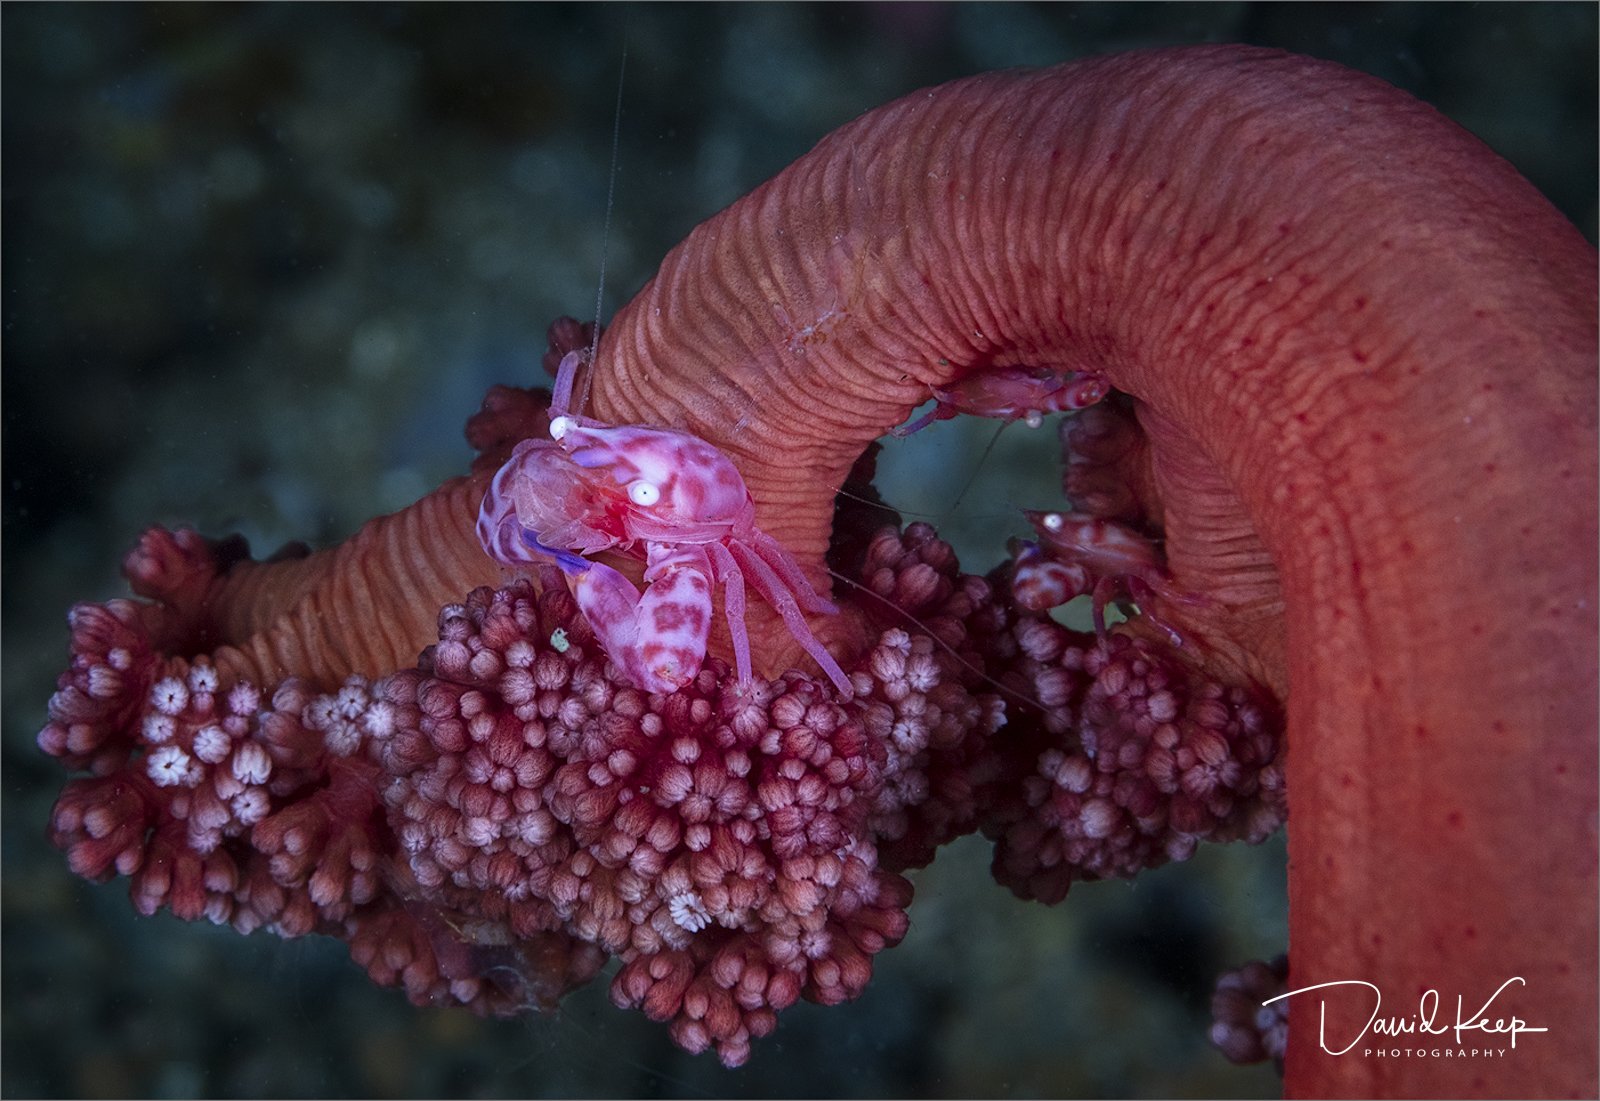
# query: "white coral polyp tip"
{"points": [[104, 682], [688, 912], [170, 766], [379, 721], [251, 765], [211, 744], [158, 729], [244, 698], [319, 713], [169, 696], [250, 806], [351, 700]]}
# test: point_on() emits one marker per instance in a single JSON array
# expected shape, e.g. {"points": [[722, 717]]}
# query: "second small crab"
{"points": [[661, 495]]}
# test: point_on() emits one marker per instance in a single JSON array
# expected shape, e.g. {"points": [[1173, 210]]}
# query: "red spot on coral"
{"points": [[1454, 819], [1359, 304], [1421, 733]]}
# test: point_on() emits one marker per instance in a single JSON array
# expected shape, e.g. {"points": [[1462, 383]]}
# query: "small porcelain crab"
{"points": [[1077, 554], [660, 495], [1009, 394]]}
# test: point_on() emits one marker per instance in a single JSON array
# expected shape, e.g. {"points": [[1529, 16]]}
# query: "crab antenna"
{"points": [[978, 467], [605, 228]]}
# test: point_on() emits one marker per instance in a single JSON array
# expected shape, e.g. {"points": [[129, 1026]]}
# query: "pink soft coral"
{"points": [[486, 828]]}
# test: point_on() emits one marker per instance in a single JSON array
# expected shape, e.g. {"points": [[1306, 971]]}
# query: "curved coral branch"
{"points": [[1362, 350]]}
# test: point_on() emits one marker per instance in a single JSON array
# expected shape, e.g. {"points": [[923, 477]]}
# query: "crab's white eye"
{"points": [[643, 493], [1053, 521], [560, 427]]}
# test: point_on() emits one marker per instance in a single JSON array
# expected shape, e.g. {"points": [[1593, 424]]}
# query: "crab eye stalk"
{"points": [[643, 493]]}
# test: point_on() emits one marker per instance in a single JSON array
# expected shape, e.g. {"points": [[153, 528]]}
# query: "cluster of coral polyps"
{"points": [[1250, 1024], [488, 827]]}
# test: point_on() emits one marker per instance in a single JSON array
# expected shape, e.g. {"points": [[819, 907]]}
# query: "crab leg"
{"points": [[773, 554], [733, 607], [781, 597], [658, 640]]}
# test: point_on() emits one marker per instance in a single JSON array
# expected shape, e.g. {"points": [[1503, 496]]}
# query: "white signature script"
{"points": [[1424, 1022]]}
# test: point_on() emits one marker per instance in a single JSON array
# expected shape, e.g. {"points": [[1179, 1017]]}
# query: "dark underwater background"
{"points": [[259, 265]]}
